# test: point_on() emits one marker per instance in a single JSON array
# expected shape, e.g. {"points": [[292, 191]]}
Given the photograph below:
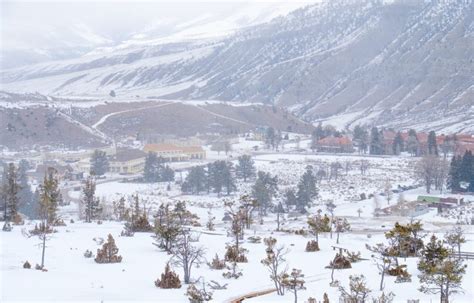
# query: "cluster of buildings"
{"points": [[74, 165], [449, 144]]}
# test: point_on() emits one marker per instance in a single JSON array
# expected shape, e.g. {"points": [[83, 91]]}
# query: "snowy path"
{"points": [[259, 293], [222, 116], [104, 118], [93, 131]]}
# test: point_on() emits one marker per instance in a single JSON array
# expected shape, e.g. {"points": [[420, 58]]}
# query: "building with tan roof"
{"points": [[174, 153]]}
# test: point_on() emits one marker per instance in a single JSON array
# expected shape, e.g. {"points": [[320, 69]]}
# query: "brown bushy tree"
{"points": [[169, 279], [108, 253]]}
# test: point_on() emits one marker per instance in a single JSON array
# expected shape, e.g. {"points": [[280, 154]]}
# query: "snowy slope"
{"points": [[392, 63]]}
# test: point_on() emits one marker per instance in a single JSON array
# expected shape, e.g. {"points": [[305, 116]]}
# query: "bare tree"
{"points": [[274, 261], [185, 255], [364, 166], [388, 191], [430, 170], [381, 260], [455, 238], [330, 207]]}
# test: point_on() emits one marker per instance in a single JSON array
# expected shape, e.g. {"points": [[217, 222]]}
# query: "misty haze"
{"points": [[233, 151]]}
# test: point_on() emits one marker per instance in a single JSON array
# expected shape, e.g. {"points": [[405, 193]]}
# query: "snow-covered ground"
{"points": [[71, 276]]}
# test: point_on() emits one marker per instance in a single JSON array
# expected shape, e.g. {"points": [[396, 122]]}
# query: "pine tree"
{"points": [[195, 181], [454, 178], [264, 190], [155, 170], [11, 190], [150, 171], [91, 203], [307, 190], [270, 137], [50, 196], [376, 142], [99, 163], [432, 145], [290, 198], [169, 279], [397, 146], [245, 169], [439, 271], [341, 225], [108, 253], [319, 224], [294, 282], [412, 144], [27, 204], [358, 291]]}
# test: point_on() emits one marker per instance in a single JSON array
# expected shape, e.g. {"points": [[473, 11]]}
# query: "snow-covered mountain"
{"points": [[367, 61]]}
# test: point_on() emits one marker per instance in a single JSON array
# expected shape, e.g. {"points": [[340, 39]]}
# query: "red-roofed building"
{"points": [[335, 145]]}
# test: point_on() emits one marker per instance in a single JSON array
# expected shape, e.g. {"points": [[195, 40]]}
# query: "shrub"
{"points": [[40, 229], [235, 255], [198, 295], [169, 279], [108, 253], [217, 263], [88, 254], [27, 265], [354, 256], [340, 262], [312, 246]]}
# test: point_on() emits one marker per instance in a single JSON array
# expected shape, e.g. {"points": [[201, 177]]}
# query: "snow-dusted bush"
{"points": [[108, 253], [169, 279]]}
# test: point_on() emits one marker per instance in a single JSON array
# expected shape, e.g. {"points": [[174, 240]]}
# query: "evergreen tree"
{"points": [[11, 190], [454, 178], [150, 172], [290, 198], [155, 169], [376, 142], [412, 143], [99, 163], [50, 196], [466, 170], [432, 145], [195, 181], [245, 168], [439, 271], [397, 146], [361, 136], [228, 178], [27, 203], [319, 224], [264, 190], [307, 190], [91, 203], [220, 176], [270, 136]]}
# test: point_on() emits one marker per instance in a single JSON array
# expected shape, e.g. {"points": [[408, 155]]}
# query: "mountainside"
{"points": [[405, 63], [33, 121]]}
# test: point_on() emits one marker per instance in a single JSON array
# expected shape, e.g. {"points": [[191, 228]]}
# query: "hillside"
{"points": [[402, 63], [57, 124]]}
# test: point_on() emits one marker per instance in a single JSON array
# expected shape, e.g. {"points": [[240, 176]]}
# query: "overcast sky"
{"points": [[41, 24]]}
